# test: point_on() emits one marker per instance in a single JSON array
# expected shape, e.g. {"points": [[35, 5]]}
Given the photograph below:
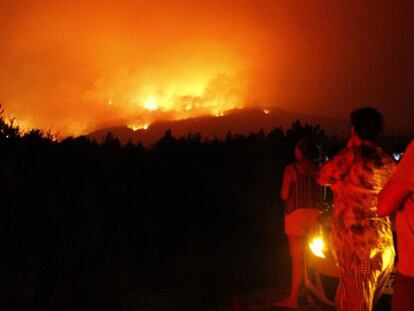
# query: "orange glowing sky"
{"points": [[75, 66]]}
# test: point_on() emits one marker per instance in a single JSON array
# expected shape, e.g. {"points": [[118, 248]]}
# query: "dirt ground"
{"points": [[261, 300]]}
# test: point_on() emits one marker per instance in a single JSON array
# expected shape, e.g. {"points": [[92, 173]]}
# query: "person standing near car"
{"points": [[301, 194], [362, 242], [398, 197]]}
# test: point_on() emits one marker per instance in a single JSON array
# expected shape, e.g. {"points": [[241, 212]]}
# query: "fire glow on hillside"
{"points": [[205, 94], [77, 66], [187, 80]]}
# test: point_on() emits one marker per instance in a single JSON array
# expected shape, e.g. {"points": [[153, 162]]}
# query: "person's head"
{"points": [[306, 149], [367, 123]]}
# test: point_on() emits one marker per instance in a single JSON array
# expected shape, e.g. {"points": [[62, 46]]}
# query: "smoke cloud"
{"points": [[75, 66]]}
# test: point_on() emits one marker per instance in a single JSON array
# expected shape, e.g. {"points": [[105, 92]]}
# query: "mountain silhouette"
{"points": [[241, 121]]}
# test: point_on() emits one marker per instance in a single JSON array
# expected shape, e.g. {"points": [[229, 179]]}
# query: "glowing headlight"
{"points": [[317, 246]]}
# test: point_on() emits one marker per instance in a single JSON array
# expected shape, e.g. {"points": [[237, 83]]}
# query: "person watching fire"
{"points": [[398, 197], [362, 242], [301, 194]]}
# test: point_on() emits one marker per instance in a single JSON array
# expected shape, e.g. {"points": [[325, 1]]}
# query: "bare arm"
{"points": [[392, 197], [288, 178], [399, 186]]}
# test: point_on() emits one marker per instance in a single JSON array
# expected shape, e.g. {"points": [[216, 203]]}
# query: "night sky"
{"points": [[75, 66]]}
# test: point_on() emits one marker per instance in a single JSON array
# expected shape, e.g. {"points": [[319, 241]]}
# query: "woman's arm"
{"points": [[399, 186], [288, 178], [392, 197]]}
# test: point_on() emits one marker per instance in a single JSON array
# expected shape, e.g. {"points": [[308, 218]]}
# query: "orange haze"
{"points": [[75, 66]]}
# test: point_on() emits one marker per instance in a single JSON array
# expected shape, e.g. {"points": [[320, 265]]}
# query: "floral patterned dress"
{"points": [[362, 241]]}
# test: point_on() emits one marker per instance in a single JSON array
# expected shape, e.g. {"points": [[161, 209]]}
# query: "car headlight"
{"points": [[317, 246]]}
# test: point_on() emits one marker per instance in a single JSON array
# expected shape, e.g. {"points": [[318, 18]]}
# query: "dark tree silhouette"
{"points": [[83, 224]]}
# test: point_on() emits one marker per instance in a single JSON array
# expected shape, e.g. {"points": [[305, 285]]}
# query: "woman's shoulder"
{"points": [[290, 169]]}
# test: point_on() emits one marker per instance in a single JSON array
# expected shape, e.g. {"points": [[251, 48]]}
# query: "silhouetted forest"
{"points": [[88, 225]]}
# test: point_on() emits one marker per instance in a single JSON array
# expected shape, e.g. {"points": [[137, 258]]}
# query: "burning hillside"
{"points": [[74, 67], [239, 121]]}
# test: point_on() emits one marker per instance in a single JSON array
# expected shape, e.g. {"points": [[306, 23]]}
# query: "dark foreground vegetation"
{"points": [[177, 226]]}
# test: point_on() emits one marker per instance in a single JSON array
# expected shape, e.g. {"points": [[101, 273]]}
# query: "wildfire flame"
{"points": [[176, 100], [151, 105], [136, 127]]}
